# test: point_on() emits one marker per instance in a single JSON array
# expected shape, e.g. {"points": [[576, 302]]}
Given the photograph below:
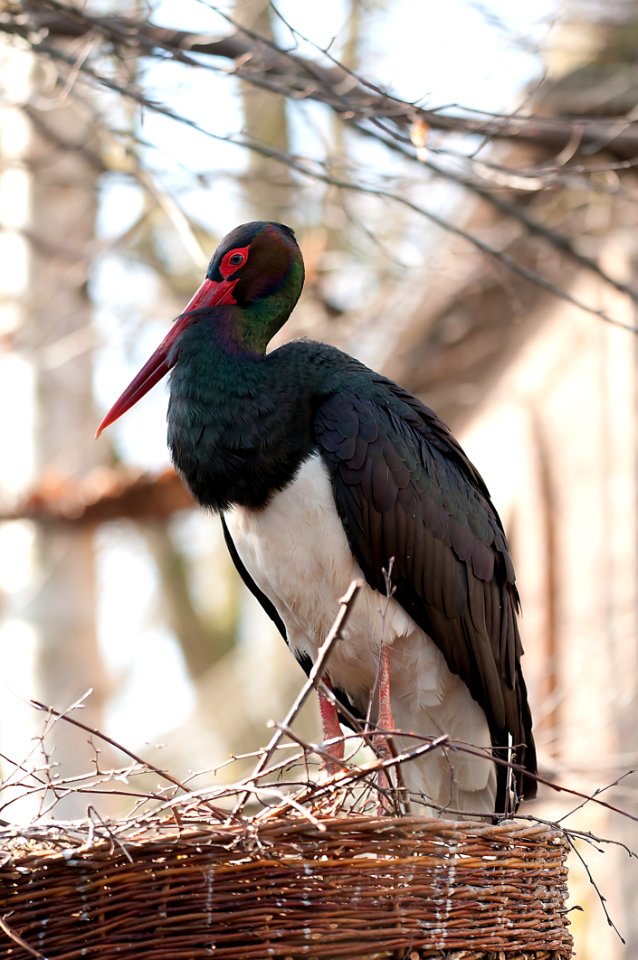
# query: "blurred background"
{"points": [[461, 178]]}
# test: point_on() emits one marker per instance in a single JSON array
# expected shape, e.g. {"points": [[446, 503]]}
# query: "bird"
{"points": [[323, 471]]}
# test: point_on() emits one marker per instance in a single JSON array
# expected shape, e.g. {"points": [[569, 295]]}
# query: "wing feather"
{"points": [[404, 489]]}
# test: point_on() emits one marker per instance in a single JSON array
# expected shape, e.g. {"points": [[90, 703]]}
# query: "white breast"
{"points": [[297, 553]]}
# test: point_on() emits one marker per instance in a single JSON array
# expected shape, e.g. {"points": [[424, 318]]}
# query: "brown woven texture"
{"points": [[357, 886]]}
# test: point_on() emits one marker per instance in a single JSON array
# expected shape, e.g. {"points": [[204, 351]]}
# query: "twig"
{"points": [[316, 672], [595, 794], [114, 840], [601, 898], [307, 169], [4, 926], [457, 745], [355, 774], [164, 774], [281, 70]]}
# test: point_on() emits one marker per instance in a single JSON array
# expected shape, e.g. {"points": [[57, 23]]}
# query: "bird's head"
{"points": [[257, 268]]}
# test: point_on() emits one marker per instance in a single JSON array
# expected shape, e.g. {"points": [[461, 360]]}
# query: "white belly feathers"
{"points": [[297, 553]]}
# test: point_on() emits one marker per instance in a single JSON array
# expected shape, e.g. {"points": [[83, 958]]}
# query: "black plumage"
{"points": [[413, 495], [242, 424]]}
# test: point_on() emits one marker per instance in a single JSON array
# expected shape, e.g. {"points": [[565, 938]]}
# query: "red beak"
{"points": [[210, 293]]}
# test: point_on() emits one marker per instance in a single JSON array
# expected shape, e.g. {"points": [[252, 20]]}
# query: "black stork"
{"points": [[322, 471]]}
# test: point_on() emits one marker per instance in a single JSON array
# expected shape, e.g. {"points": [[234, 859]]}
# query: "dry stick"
{"points": [[352, 776], [18, 766], [218, 812], [92, 812], [150, 37], [318, 668], [85, 783], [310, 78], [602, 900], [400, 794], [16, 938], [314, 172], [596, 793], [459, 745], [361, 99], [288, 800], [194, 797]]}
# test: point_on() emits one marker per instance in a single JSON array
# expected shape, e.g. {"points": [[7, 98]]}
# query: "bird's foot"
{"points": [[331, 732]]}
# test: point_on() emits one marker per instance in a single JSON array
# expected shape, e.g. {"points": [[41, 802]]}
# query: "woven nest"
{"points": [[352, 886]]}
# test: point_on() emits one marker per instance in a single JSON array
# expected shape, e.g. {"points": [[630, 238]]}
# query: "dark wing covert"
{"points": [[405, 489]]}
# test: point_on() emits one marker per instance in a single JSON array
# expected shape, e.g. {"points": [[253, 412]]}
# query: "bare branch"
{"points": [[164, 774], [601, 899], [4, 926], [357, 116], [260, 61], [103, 494], [318, 668]]}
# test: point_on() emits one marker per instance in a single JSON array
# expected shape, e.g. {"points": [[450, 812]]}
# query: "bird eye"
{"points": [[232, 260]]}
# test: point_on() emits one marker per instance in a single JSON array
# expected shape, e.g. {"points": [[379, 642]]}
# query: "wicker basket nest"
{"points": [[357, 886]]}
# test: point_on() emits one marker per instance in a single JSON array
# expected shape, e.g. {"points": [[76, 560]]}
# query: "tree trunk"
{"points": [[269, 188], [48, 203]]}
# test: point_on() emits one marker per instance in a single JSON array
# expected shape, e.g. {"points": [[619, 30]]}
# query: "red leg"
{"points": [[331, 729], [385, 720]]}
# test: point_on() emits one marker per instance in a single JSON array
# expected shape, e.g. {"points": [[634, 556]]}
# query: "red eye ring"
{"points": [[232, 261]]}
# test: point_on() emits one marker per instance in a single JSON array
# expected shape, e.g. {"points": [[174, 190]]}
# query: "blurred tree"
{"points": [[48, 208], [269, 190]]}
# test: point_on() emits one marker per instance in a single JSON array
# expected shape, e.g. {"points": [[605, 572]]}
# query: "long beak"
{"points": [[211, 292]]}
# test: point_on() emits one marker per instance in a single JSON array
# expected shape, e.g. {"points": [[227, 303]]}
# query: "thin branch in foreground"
{"points": [[334, 634], [92, 812], [164, 774], [596, 793], [601, 899], [17, 939], [351, 792], [349, 777]]}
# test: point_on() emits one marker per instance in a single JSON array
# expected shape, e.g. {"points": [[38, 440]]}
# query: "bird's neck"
{"points": [[239, 422]]}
